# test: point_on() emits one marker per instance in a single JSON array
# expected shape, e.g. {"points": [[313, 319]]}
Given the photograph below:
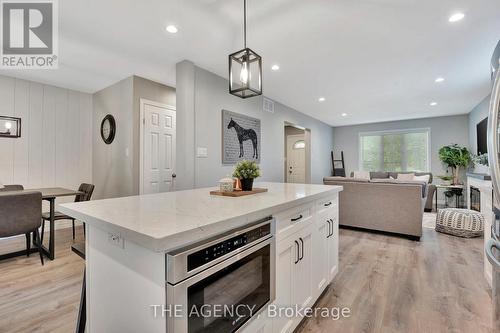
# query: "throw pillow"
{"points": [[423, 178], [406, 176], [362, 175]]}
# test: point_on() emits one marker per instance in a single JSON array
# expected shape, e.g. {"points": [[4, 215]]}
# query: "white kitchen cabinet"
{"points": [[287, 253], [333, 247], [303, 269], [294, 276], [321, 262]]}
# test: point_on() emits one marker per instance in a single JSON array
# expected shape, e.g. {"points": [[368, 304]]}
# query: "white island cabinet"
{"points": [[128, 239]]}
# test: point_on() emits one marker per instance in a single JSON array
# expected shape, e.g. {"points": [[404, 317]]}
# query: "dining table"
{"points": [[50, 194]]}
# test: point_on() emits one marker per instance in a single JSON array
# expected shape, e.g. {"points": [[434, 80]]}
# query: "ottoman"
{"points": [[460, 222]]}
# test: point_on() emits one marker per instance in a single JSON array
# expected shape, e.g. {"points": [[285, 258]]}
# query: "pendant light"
{"points": [[245, 68]]}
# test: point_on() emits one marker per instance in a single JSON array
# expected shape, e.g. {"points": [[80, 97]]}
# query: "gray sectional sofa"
{"points": [[383, 204]]}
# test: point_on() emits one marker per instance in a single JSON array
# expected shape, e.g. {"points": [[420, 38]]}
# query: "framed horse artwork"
{"points": [[240, 138]]}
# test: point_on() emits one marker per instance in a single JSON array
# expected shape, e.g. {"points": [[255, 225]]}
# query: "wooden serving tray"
{"points": [[239, 193]]}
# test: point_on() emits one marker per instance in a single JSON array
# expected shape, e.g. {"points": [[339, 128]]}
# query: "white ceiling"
{"points": [[375, 60]]}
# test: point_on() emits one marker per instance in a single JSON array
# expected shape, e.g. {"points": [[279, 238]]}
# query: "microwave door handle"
{"points": [[493, 139]]}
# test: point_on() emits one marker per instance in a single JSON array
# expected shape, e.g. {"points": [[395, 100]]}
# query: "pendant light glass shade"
{"points": [[245, 68], [245, 73]]}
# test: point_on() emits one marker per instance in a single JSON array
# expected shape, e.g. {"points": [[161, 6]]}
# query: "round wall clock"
{"points": [[108, 129]]}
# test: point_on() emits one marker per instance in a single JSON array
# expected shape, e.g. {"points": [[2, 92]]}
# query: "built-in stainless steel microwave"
{"points": [[220, 284]]}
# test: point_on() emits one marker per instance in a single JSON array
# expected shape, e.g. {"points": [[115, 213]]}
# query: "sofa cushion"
{"points": [[423, 178], [362, 174], [379, 175], [398, 181], [344, 179], [405, 176], [395, 174]]}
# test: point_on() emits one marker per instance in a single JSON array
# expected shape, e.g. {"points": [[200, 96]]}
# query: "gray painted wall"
{"points": [[201, 95], [112, 169], [475, 116], [115, 167], [444, 130]]}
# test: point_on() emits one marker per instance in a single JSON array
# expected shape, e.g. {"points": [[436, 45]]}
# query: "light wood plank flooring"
{"points": [[36, 298], [391, 284]]}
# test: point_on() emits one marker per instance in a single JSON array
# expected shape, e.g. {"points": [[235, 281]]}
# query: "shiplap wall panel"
{"points": [[74, 139], [85, 163], [35, 136], [21, 145], [55, 148], [62, 144], [49, 137], [6, 108]]}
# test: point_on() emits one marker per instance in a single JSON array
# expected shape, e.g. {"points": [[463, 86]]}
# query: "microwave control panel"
{"points": [[215, 251]]}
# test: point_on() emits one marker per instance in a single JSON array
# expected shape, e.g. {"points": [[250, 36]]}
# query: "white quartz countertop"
{"points": [[165, 221]]}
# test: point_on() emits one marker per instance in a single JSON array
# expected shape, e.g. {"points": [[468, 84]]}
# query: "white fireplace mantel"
{"points": [[486, 203]]}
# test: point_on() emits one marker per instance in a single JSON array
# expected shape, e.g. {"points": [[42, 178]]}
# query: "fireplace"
{"points": [[475, 199]]}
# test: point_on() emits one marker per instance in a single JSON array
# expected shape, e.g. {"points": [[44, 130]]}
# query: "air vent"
{"points": [[268, 105]]}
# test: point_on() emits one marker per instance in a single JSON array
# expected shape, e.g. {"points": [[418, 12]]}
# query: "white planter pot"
{"points": [[483, 169]]}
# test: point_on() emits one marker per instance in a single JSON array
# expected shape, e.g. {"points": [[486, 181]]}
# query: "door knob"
{"points": [[174, 175]]}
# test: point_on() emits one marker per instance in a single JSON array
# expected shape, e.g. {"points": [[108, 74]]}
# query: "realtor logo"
{"points": [[29, 34]]}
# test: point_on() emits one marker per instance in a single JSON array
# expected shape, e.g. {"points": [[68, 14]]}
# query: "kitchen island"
{"points": [[128, 239]]}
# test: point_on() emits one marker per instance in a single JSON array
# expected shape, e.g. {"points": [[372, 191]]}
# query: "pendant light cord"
{"points": [[245, 22]]}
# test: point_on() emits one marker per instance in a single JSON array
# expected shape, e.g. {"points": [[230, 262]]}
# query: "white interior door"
{"points": [[295, 159], [158, 148]]}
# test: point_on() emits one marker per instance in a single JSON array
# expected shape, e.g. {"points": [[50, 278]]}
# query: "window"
{"points": [[301, 144], [402, 150]]}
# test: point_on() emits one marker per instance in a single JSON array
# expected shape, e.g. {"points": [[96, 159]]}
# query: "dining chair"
{"points": [[87, 190], [16, 187], [20, 213]]}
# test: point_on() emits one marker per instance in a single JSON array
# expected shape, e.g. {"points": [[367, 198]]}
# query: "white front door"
{"points": [[295, 159], [158, 147]]}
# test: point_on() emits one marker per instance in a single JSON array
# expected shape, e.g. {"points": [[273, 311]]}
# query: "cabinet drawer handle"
{"points": [[332, 228], [329, 228], [297, 218], [298, 255], [302, 241], [327, 204]]}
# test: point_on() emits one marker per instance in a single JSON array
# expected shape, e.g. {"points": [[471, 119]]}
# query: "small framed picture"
{"points": [[10, 127]]}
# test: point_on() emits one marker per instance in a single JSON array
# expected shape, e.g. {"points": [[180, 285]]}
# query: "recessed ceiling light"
{"points": [[456, 17], [433, 104], [172, 29], [439, 80], [275, 67], [321, 99], [344, 114]]}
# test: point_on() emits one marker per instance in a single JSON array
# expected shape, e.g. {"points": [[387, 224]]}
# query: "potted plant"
{"points": [[446, 180], [455, 156], [246, 172], [481, 164]]}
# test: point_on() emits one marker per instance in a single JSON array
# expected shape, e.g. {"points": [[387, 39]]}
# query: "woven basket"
{"points": [[460, 222]]}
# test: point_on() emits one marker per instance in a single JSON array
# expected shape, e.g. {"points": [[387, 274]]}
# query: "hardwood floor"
{"points": [[36, 298], [391, 284]]}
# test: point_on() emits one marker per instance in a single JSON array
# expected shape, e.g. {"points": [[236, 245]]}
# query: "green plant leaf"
{"points": [[246, 169]]}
